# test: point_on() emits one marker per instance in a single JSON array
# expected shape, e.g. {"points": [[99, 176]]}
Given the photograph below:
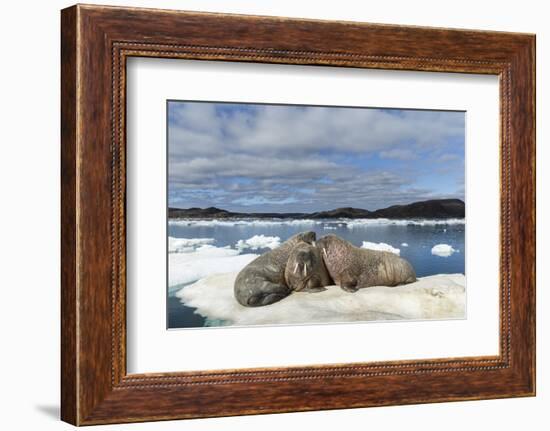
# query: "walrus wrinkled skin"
{"points": [[262, 281], [305, 270], [353, 268]]}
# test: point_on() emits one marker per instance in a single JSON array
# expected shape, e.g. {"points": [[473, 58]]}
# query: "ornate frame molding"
{"points": [[96, 41]]}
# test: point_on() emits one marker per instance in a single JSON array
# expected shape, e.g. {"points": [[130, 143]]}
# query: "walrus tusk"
{"points": [[305, 269], [295, 267], [325, 252], [313, 243]]}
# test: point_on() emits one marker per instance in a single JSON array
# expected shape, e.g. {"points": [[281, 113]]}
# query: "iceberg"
{"points": [[186, 245], [350, 223], [434, 297], [206, 260], [380, 246], [443, 250], [258, 242], [359, 223], [242, 222]]}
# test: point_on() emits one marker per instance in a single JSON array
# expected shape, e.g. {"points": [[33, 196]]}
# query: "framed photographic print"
{"points": [[302, 171], [265, 214]]}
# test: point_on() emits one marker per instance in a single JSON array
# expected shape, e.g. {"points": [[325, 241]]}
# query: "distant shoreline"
{"points": [[431, 209]]}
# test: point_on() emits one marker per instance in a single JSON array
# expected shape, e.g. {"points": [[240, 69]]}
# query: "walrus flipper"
{"points": [[267, 294], [314, 289], [348, 283]]}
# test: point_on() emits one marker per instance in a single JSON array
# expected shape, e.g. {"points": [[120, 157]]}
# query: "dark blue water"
{"points": [[420, 240]]}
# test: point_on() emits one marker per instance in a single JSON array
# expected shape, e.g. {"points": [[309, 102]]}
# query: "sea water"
{"points": [[211, 246]]}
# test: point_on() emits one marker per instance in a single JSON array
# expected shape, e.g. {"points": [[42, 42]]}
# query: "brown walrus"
{"points": [[305, 270], [262, 281], [353, 268]]}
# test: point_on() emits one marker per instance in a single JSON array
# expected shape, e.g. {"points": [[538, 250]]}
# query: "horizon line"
{"points": [[333, 209]]}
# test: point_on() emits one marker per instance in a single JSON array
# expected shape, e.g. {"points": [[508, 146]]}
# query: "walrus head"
{"points": [[308, 237], [335, 253], [331, 243], [305, 269]]}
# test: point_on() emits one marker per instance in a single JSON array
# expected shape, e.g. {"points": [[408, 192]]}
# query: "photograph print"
{"points": [[297, 214]]}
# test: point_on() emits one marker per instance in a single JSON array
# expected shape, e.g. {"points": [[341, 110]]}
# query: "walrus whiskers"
{"points": [[310, 273]]}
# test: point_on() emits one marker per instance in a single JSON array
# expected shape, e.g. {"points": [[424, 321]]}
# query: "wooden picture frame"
{"points": [[95, 43]]}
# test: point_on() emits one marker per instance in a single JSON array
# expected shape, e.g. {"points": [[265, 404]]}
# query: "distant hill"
{"points": [[347, 212], [213, 212], [433, 209], [436, 208]]}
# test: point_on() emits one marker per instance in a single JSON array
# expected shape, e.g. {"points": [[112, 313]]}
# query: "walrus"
{"points": [[353, 268], [305, 270], [262, 281]]}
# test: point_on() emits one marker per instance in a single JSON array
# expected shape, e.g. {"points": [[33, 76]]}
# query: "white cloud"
{"points": [[269, 129], [304, 158]]}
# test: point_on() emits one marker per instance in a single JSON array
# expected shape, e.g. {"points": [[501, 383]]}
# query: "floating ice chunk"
{"points": [[380, 246], [350, 223], [186, 245], [360, 223], [404, 244], [443, 250], [241, 222], [434, 297], [259, 241], [204, 261], [328, 227]]}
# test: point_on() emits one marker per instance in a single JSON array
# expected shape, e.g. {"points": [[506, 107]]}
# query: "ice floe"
{"points": [[433, 297], [242, 222], [186, 245], [380, 246], [204, 261], [443, 250], [404, 244], [351, 224], [259, 241]]}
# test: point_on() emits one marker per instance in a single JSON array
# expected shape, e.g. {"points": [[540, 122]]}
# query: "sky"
{"points": [[292, 158]]}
